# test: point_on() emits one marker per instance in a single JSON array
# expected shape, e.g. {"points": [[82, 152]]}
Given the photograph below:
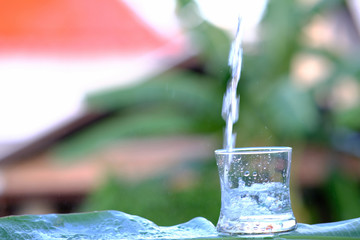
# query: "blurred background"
{"points": [[116, 104]]}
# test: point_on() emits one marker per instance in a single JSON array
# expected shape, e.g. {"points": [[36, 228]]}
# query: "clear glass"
{"points": [[255, 196]]}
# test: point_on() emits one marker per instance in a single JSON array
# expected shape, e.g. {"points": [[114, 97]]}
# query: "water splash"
{"points": [[118, 225], [100, 225], [231, 101]]}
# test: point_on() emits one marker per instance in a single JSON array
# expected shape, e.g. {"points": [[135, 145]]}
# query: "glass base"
{"points": [[256, 227]]}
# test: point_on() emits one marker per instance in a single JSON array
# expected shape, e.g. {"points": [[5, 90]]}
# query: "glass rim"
{"points": [[253, 150]]}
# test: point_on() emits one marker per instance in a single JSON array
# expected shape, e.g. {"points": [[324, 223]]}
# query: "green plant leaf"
{"points": [[181, 193], [289, 110], [183, 89], [345, 195], [170, 103], [349, 118], [119, 225], [151, 122]]}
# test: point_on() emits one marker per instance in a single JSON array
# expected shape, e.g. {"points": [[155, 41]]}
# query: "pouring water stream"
{"points": [[230, 108], [231, 101]]}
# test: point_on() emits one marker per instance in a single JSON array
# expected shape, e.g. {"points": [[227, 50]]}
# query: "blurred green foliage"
{"points": [[163, 199], [179, 101], [344, 193], [273, 111]]}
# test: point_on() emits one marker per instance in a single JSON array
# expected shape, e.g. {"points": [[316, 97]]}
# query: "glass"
{"points": [[255, 196]]}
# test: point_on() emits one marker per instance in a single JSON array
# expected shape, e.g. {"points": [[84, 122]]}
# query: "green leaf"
{"points": [[344, 193], [348, 229], [183, 89], [170, 103], [152, 122], [349, 118], [119, 225], [289, 111], [181, 193], [214, 45]]}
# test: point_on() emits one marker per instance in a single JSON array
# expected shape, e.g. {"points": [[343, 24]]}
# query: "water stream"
{"points": [[231, 101]]}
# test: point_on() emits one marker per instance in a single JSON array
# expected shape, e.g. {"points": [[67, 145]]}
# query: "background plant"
{"points": [[274, 110]]}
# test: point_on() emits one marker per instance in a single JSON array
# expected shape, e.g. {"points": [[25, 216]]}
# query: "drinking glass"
{"points": [[255, 196]]}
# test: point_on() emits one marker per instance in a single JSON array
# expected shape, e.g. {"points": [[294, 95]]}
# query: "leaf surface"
{"points": [[119, 225]]}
